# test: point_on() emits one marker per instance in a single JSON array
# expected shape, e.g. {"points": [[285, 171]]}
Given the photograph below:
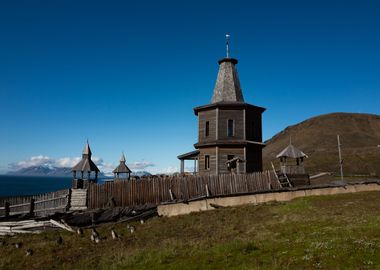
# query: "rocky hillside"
{"points": [[317, 137]]}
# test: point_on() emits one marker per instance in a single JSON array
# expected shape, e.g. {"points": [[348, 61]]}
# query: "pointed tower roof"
{"points": [[227, 86], [122, 167], [122, 158], [86, 149], [86, 164]]}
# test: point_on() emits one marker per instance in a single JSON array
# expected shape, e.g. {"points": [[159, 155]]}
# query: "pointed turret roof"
{"points": [[122, 158], [86, 164], [227, 86], [122, 167], [86, 149]]}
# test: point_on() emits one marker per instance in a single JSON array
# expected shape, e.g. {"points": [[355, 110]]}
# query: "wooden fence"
{"points": [[38, 205], [158, 190]]}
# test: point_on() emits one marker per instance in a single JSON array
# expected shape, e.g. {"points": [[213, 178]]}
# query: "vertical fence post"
{"points": [[207, 191], [171, 194], [31, 209], [7, 209], [68, 198]]}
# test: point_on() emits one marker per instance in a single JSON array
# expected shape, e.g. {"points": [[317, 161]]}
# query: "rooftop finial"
{"points": [[227, 47]]}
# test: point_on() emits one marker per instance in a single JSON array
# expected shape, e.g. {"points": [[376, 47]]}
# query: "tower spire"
{"points": [[227, 86], [227, 46], [87, 150], [122, 158]]}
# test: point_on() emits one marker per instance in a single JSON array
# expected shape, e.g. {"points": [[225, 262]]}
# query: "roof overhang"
{"points": [[189, 156], [231, 143], [228, 106]]}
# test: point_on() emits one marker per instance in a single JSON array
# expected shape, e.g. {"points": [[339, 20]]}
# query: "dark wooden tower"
{"points": [[229, 130], [85, 171]]}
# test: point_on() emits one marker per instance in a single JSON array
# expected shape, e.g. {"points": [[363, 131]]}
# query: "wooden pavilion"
{"points": [[122, 170], [86, 168], [292, 171]]}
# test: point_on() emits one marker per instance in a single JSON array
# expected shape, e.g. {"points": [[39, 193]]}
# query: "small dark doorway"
{"points": [[231, 166]]}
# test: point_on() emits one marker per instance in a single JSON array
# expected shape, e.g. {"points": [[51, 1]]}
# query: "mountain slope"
{"points": [[317, 137]]}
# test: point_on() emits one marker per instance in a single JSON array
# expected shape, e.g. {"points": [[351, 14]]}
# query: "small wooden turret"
{"points": [[87, 169], [122, 169], [291, 166]]}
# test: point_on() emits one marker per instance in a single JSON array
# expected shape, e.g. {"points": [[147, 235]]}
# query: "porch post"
{"points": [[182, 170]]}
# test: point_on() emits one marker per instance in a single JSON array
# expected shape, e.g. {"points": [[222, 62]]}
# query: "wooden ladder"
{"points": [[282, 178]]}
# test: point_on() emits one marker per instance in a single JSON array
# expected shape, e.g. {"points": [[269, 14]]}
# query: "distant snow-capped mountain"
{"points": [[141, 173], [48, 170], [42, 171]]}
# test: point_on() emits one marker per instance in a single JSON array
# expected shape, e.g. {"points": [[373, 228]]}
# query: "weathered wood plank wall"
{"points": [[156, 190], [42, 204]]}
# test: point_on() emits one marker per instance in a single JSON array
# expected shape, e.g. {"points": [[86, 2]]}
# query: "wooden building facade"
{"points": [[229, 130]]}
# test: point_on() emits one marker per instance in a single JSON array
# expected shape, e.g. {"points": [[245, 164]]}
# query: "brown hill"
{"points": [[317, 137]]}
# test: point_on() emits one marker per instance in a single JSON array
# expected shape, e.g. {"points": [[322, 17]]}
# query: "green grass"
{"points": [[326, 232]]}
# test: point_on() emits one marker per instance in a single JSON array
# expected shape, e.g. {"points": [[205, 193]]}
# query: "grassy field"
{"points": [[327, 232]]}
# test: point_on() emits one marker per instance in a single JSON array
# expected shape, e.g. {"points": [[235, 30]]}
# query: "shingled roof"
{"points": [[86, 164], [122, 167], [291, 152], [227, 86]]}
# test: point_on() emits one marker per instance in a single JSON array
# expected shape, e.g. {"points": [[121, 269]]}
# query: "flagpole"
{"points": [[340, 159]]}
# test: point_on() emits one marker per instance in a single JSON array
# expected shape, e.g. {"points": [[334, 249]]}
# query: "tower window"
{"points": [[252, 129], [207, 162], [230, 128], [207, 128]]}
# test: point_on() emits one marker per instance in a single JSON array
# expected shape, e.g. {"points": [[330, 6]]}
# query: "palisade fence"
{"points": [[150, 191], [37, 205], [157, 190]]}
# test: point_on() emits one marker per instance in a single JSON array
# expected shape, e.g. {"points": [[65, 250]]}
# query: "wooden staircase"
{"points": [[78, 200]]}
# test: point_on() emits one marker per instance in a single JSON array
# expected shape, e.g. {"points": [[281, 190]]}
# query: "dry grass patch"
{"points": [[326, 232]]}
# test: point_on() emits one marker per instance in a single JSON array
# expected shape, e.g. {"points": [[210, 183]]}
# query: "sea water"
{"points": [[31, 185]]}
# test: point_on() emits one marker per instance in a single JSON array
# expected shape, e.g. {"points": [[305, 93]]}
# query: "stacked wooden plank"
{"points": [[30, 226], [78, 199]]}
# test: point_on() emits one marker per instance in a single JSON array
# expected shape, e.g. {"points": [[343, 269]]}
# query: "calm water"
{"points": [[30, 185]]}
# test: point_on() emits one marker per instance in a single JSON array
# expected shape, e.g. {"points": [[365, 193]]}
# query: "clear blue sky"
{"points": [[127, 74]]}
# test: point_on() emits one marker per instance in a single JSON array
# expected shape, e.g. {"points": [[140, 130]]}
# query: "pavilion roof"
{"points": [[122, 167], [86, 165], [291, 152]]}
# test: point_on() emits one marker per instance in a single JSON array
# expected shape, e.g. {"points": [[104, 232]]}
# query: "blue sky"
{"points": [[127, 74]]}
